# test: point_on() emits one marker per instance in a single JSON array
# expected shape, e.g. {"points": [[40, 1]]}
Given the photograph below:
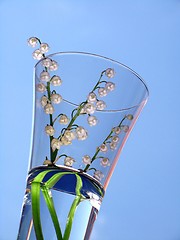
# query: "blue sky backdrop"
{"points": [[143, 199]]}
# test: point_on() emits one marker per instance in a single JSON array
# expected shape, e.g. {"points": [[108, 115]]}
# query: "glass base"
{"points": [[64, 197]]}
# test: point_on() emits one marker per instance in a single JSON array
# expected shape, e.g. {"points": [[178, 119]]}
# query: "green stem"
{"points": [[122, 121], [78, 110], [105, 141], [52, 154], [95, 87], [76, 115]]}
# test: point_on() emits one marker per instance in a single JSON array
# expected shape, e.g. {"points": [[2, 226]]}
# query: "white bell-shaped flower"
{"points": [[56, 98], [32, 42], [115, 139], [117, 130], [110, 86], [44, 47], [44, 100], [56, 81], [70, 135], [103, 147], [102, 92], [53, 66], [55, 144], [40, 87], [92, 97], [113, 145], [68, 161], [105, 162], [83, 111], [49, 130], [86, 159], [45, 76], [37, 54], [65, 141], [92, 120], [81, 133], [110, 72], [49, 109], [89, 108], [63, 119], [125, 128], [46, 62], [100, 105]]}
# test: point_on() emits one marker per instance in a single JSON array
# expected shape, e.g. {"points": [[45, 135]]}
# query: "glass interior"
{"points": [[80, 73]]}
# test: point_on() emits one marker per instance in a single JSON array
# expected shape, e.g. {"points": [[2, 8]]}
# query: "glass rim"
{"points": [[105, 58]]}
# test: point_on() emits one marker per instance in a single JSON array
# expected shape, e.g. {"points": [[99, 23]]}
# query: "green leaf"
{"points": [[78, 185], [55, 178], [35, 199], [50, 205], [35, 195], [73, 208], [36, 187]]}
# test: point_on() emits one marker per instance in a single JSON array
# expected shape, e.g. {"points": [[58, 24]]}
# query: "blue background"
{"points": [[143, 198]]}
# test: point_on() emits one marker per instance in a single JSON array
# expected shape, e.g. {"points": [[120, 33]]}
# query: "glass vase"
{"points": [[85, 106]]}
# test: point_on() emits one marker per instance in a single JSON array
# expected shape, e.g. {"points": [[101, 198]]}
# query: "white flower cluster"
{"points": [[93, 103], [68, 161], [47, 103], [43, 48], [80, 133], [104, 160], [45, 78], [111, 142]]}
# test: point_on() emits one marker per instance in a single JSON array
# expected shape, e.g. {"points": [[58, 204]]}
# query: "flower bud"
{"points": [[110, 72]]}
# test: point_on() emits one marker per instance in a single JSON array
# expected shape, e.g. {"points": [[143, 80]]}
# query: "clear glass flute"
{"points": [[85, 106]]}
